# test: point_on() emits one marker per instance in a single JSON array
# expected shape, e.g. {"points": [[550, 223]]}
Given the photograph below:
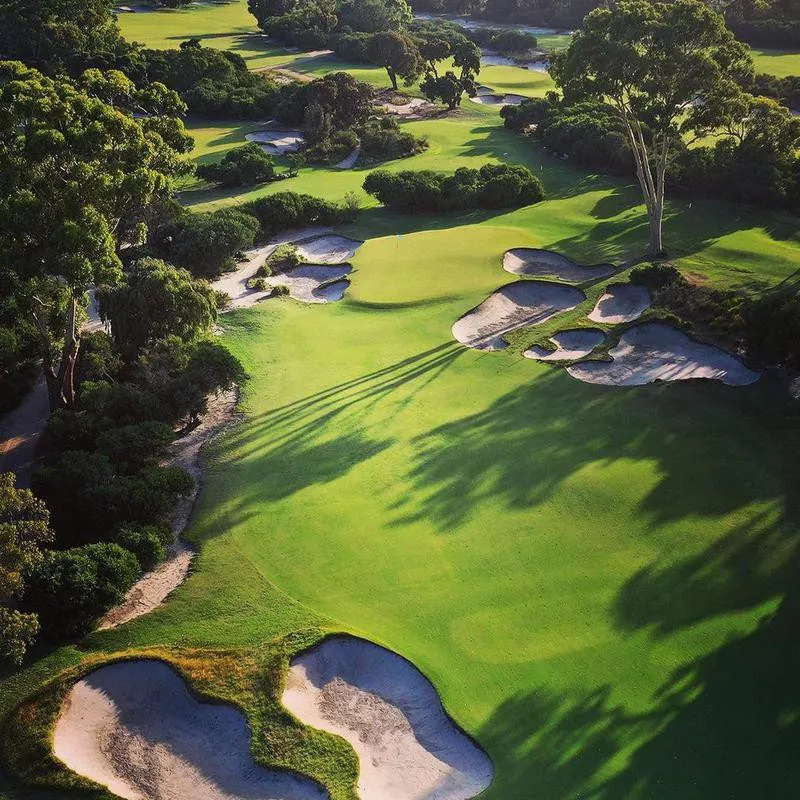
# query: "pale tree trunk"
{"points": [[61, 381]]}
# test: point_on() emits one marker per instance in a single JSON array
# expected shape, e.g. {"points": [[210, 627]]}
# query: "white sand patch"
{"points": [[278, 142], [487, 99], [328, 249], [537, 263], [570, 345], [516, 305], [624, 302], [153, 588], [350, 161], [480, 90], [408, 747], [134, 727], [654, 351], [513, 99], [313, 283], [413, 109]]}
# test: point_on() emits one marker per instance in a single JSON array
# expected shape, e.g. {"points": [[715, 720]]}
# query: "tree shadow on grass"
{"points": [[715, 449]]}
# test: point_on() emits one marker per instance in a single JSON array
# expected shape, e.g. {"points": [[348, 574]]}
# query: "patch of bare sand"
{"points": [[313, 283], [537, 263], [134, 727], [328, 249], [278, 142], [408, 747], [570, 345], [516, 305], [155, 586], [655, 351], [622, 302]]}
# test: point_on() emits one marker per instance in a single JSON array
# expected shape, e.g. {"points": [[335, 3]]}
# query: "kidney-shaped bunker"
{"points": [[408, 747], [332, 249], [513, 306], [538, 263], [134, 727], [313, 283]]}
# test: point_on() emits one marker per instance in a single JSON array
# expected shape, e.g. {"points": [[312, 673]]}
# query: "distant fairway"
{"points": [[777, 62]]}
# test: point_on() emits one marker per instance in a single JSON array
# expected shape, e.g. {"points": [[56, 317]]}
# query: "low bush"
{"points": [[283, 257], [383, 140], [493, 186], [333, 149], [284, 210], [280, 291], [243, 166], [149, 543]]}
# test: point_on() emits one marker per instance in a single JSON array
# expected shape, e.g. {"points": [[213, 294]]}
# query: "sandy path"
{"points": [[20, 431], [350, 161], [621, 303], [154, 587], [134, 727], [408, 747], [413, 109], [570, 345], [537, 263], [516, 305], [654, 351]]}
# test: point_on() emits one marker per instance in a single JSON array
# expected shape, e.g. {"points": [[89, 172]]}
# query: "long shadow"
{"points": [[715, 449]]}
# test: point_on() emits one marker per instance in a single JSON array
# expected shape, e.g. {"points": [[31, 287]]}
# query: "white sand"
{"points": [[516, 305], [413, 109], [350, 161], [484, 90], [490, 58], [278, 142], [408, 747], [621, 303], [313, 283], [134, 727], [327, 249], [537, 263], [487, 99], [654, 351], [570, 345], [153, 588], [513, 99]]}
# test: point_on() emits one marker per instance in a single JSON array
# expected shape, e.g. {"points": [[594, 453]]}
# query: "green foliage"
{"points": [[134, 447], [307, 24], [70, 589], [206, 244], [373, 16], [149, 543], [283, 257], [397, 53], [281, 290], [247, 165], [24, 527], [155, 301], [383, 140], [772, 325], [213, 83], [334, 148], [493, 186], [284, 210]]}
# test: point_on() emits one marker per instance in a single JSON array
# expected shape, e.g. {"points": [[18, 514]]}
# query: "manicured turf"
{"points": [[777, 62], [600, 582]]}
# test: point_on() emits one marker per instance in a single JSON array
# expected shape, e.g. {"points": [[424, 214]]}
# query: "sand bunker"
{"points": [[328, 249], [655, 351], [514, 306], [408, 747], [415, 108], [549, 264], [570, 345], [313, 283], [622, 303], [487, 99], [350, 161], [134, 727], [278, 141]]}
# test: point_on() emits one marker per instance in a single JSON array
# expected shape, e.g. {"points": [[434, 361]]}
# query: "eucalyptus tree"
{"points": [[672, 71], [80, 179]]}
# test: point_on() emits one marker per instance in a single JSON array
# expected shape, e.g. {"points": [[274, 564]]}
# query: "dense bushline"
{"points": [[754, 162], [247, 165], [490, 187]]}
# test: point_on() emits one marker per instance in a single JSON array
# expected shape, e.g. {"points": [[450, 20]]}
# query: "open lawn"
{"points": [[777, 62], [600, 582]]}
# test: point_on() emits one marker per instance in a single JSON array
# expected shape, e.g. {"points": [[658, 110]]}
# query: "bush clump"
{"points": [[244, 166], [493, 186]]}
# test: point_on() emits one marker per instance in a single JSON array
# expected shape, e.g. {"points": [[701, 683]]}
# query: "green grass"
{"points": [[777, 62], [600, 582]]}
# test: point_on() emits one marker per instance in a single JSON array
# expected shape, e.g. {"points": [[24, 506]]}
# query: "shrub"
{"points": [[772, 328], [243, 166], [133, 447], [257, 284], [149, 543], [283, 257], [280, 291], [283, 210], [382, 140], [334, 148], [72, 588]]}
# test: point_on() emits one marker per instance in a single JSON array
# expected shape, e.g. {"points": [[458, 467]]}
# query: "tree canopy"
{"points": [[670, 70]]}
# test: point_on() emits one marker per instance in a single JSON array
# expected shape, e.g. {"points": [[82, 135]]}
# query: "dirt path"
{"points": [[154, 587], [20, 431]]}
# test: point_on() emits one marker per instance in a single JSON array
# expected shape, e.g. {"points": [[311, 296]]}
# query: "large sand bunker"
{"points": [[408, 747], [516, 305], [537, 263], [135, 728], [624, 302], [331, 249], [278, 142], [313, 283], [654, 351], [570, 345]]}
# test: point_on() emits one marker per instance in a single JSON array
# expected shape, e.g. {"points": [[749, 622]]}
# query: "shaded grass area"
{"points": [[776, 62]]}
